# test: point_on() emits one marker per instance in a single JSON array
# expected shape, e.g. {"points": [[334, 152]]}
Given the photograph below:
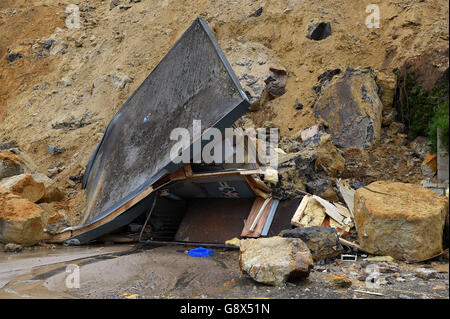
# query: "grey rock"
{"points": [[48, 44], [8, 145], [12, 248], [276, 83], [318, 186], [55, 150], [113, 4], [14, 56], [322, 241], [421, 146], [319, 31], [10, 168], [257, 13], [426, 273], [352, 109]]}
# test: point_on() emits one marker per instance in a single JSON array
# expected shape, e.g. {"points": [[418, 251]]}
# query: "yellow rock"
{"points": [[405, 221], [233, 242]]}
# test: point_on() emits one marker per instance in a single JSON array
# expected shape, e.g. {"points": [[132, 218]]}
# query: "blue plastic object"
{"points": [[200, 252]]}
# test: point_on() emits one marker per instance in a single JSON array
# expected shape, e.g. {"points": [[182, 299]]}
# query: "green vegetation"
{"points": [[423, 112]]}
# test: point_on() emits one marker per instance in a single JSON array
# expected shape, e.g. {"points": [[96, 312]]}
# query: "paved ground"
{"points": [[128, 271]]}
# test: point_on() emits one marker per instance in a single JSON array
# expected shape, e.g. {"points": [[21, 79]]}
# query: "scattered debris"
{"points": [[10, 164], [429, 165], [426, 273], [233, 242], [312, 133], [380, 259], [338, 281], [55, 150], [345, 257], [368, 292], [72, 123], [271, 175], [119, 80], [310, 213], [421, 146], [348, 194], [200, 252], [48, 44]]}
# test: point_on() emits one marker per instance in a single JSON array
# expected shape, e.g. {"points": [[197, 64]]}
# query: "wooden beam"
{"points": [[299, 212], [259, 225]]}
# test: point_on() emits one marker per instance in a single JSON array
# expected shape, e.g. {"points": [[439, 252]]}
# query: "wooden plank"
{"points": [[331, 210], [257, 191], [228, 173], [368, 292], [188, 170], [350, 244], [347, 193], [258, 216], [260, 184], [179, 175], [299, 212], [246, 232]]}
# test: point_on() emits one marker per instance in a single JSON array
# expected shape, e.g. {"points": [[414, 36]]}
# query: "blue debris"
{"points": [[200, 252]]}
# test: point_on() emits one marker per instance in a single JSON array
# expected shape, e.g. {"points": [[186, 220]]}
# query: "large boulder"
{"points": [[20, 219], [52, 192], [351, 108], [25, 186], [10, 164], [323, 242], [405, 221], [275, 260]]}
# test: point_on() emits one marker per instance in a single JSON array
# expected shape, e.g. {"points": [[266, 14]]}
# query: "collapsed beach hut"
{"points": [[131, 172]]}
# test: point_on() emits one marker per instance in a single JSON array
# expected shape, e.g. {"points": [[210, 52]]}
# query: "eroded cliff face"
{"points": [[60, 86]]}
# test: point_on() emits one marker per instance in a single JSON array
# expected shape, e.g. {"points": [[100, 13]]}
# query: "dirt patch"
{"points": [[19, 30]]}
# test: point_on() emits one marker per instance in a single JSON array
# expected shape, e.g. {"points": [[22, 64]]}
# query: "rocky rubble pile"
{"points": [[24, 196], [403, 221]]}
